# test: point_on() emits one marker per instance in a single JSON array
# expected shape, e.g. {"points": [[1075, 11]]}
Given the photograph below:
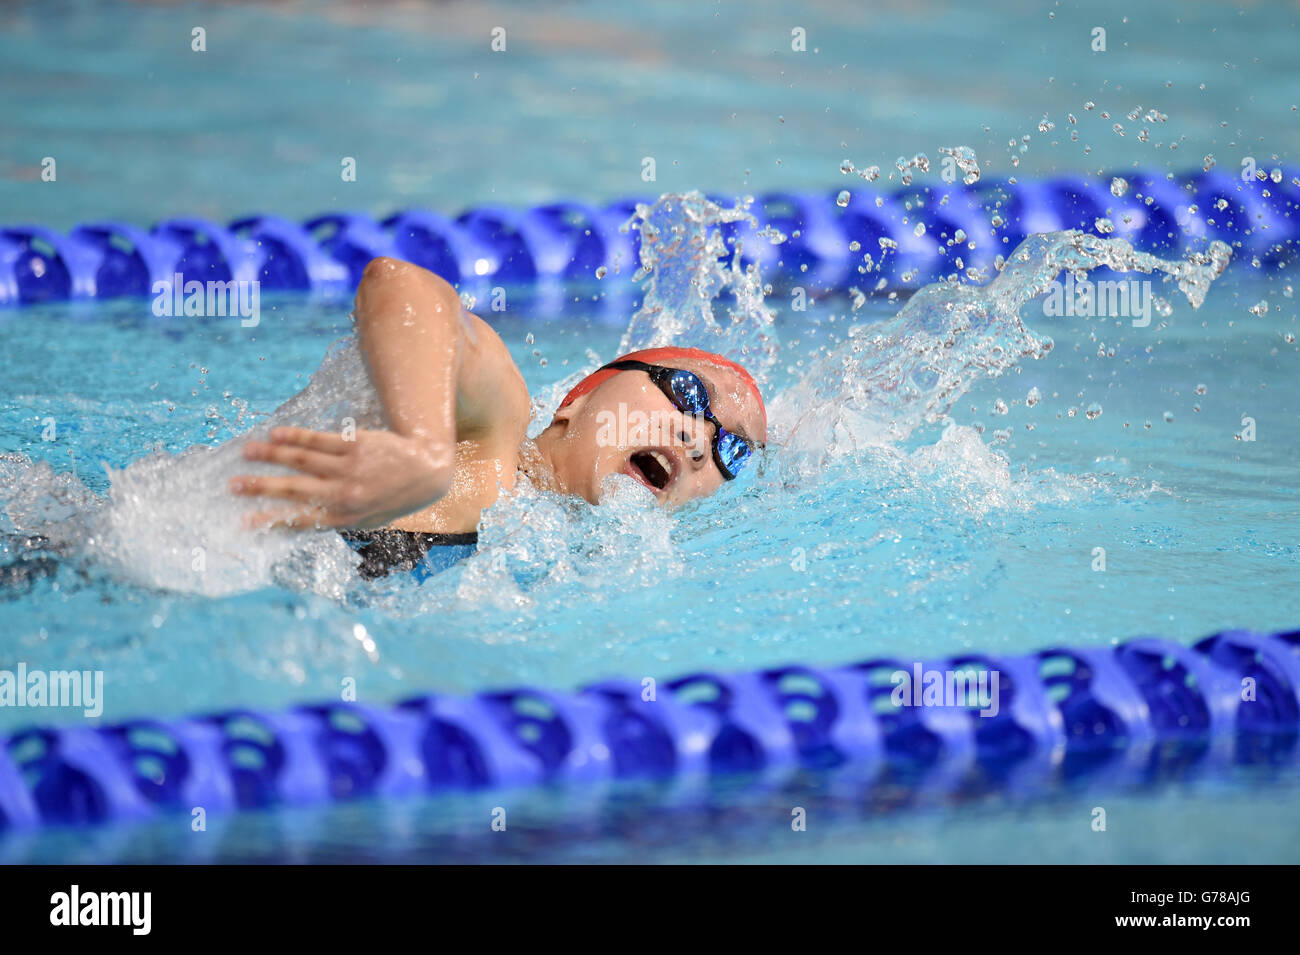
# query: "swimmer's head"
{"points": [[631, 417]]}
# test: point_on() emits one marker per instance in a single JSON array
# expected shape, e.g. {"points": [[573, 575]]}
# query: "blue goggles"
{"points": [[690, 396]]}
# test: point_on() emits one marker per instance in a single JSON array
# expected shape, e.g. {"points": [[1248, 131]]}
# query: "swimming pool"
{"points": [[978, 534]]}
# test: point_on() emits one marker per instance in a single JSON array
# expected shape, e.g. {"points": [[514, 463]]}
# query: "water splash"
{"points": [[168, 521], [688, 265], [886, 381], [535, 545], [965, 160]]}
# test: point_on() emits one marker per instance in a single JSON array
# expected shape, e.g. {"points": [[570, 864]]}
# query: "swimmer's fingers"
{"points": [[294, 456], [326, 442], [312, 517], [315, 493], [308, 490]]}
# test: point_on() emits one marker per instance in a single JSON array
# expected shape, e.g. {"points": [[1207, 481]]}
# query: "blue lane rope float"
{"points": [[566, 242], [1235, 693]]}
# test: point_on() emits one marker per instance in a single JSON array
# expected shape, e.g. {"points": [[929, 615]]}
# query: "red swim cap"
{"points": [[660, 356]]}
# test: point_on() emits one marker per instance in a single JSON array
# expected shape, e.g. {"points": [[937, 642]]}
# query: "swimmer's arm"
{"points": [[442, 375], [408, 323]]}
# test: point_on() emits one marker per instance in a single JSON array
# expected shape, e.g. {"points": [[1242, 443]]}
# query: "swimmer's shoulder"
{"points": [[492, 414], [492, 402]]}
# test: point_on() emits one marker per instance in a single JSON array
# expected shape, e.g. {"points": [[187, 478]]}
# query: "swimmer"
{"points": [[680, 420]]}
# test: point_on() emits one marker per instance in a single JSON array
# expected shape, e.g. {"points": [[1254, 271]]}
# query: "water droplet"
{"points": [[1092, 412], [842, 199], [1259, 308], [1200, 389], [999, 407], [1033, 397], [1118, 186], [846, 167]]}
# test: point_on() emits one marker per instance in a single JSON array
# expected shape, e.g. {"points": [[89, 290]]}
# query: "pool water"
{"points": [[143, 128], [976, 526], [942, 544], [1250, 814], [962, 542]]}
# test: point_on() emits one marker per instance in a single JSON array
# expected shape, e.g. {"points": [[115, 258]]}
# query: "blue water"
{"points": [[144, 129], [956, 537]]}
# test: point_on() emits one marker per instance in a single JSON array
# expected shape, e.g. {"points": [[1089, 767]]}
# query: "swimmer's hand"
{"points": [[363, 482]]}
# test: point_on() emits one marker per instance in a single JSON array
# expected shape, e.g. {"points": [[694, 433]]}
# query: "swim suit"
{"points": [[385, 550], [26, 559]]}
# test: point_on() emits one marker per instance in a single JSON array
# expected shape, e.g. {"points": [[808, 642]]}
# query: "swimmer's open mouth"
{"points": [[653, 467]]}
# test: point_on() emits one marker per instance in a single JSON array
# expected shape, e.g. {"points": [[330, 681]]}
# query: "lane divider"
{"points": [[1058, 707], [566, 242]]}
